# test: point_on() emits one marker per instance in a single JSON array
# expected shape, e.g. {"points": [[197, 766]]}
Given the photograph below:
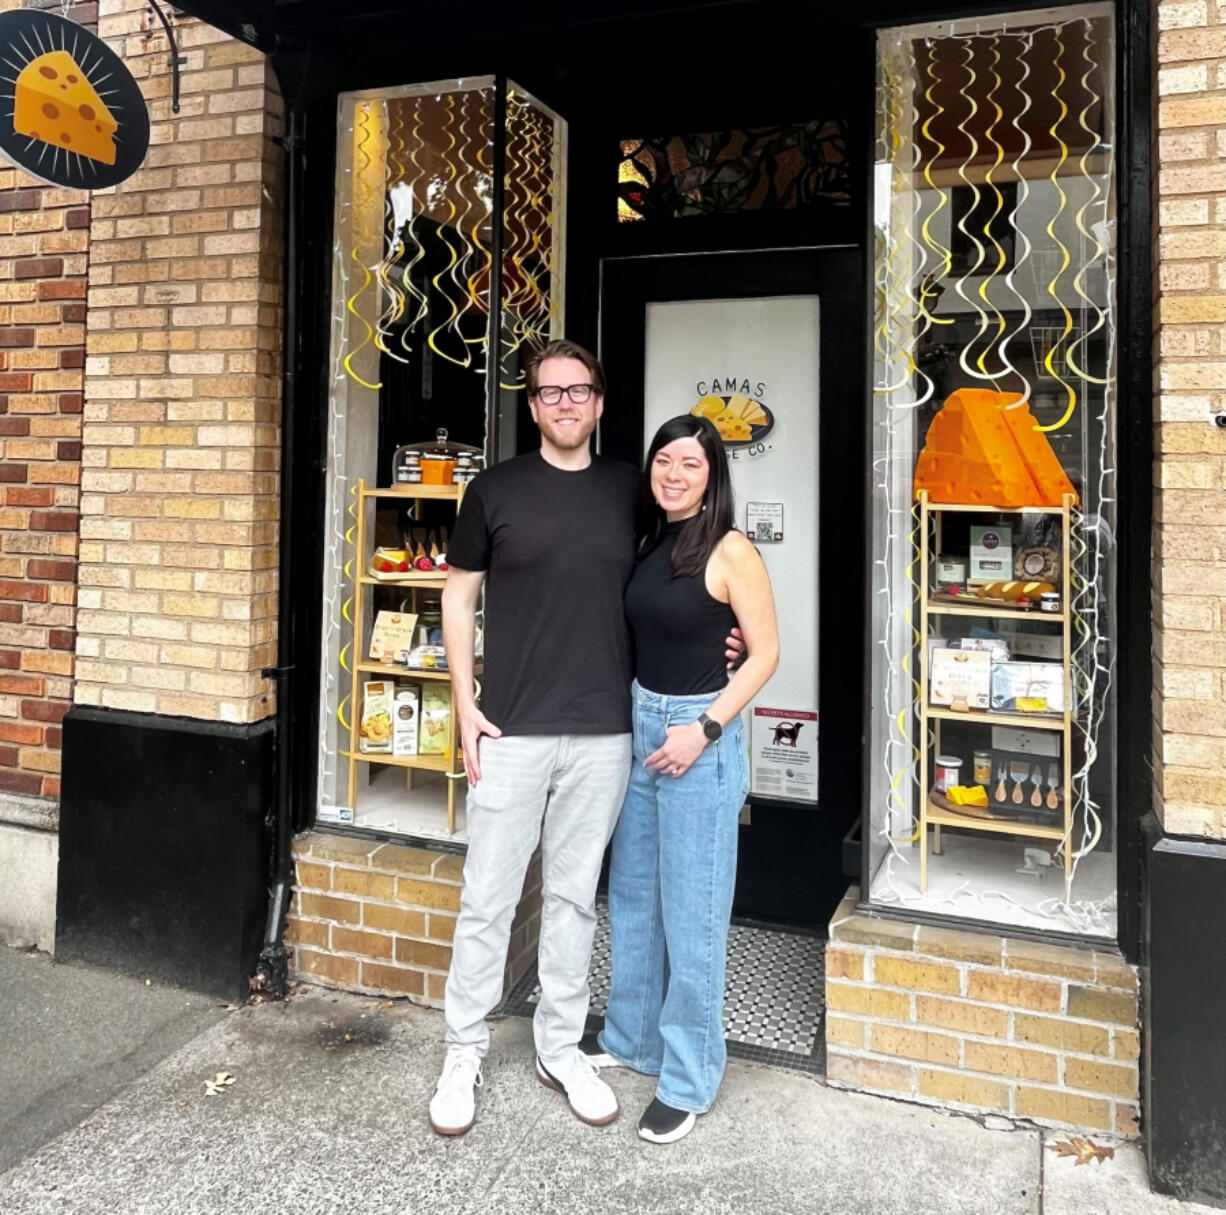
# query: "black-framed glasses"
{"points": [[551, 394]]}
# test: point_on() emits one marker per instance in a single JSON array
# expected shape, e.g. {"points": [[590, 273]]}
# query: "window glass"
{"points": [[994, 474]]}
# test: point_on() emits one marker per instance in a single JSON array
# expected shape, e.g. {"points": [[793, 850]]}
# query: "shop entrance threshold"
{"points": [[774, 994]]}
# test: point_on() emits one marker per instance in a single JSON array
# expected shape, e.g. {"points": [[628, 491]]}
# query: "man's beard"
{"points": [[567, 438]]}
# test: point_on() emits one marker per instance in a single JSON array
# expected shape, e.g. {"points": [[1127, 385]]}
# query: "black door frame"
{"points": [[834, 274]]}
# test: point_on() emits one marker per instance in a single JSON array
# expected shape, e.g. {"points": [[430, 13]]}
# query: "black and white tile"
{"points": [[774, 993]]}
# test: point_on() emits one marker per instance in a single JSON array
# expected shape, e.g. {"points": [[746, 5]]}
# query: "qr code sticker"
{"points": [[764, 530]]}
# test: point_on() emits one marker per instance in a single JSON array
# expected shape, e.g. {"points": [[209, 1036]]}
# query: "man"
{"points": [[551, 537]]}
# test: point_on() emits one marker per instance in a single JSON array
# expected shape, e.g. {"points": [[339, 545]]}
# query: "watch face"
{"points": [[712, 729]]}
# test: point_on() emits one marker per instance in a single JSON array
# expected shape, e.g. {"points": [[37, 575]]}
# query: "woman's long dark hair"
{"points": [[705, 530]]}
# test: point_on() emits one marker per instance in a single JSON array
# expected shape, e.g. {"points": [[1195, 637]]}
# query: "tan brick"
{"points": [[1010, 1061], [326, 966], [1043, 959], [980, 948], [363, 883], [868, 1001], [1061, 1034], [324, 907], [396, 858], [423, 953], [440, 927], [913, 1044], [397, 920], [1112, 1007], [393, 978], [916, 976], [313, 877], [840, 1031], [1111, 969], [1056, 1105], [1127, 1120], [368, 944], [449, 868], [326, 847], [1127, 1044], [1013, 990], [844, 963], [876, 1074], [428, 894], [861, 930], [961, 1089], [963, 1016], [306, 932], [1100, 1077]]}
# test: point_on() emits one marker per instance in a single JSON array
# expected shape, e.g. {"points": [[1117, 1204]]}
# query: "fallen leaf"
{"points": [[1084, 1150], [218, 1085]]}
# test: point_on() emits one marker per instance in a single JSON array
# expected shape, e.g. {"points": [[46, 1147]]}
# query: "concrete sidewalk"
{"points": [[328, 1113]]}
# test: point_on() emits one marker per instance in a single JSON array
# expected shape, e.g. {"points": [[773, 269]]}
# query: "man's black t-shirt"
{"points": [[557, 548]]}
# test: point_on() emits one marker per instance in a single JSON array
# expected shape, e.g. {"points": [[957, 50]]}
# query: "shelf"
{"points": [[966, 508], [429, 581], [1026, 721], [450, 492], [392, 670], [426, 763], [1001, 826], [990, 609]]}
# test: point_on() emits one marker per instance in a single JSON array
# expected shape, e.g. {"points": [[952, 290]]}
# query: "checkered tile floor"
{"points": [[773, 995]]}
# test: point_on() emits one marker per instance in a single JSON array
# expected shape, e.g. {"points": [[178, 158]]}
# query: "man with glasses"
{"points": [[550, 535]]}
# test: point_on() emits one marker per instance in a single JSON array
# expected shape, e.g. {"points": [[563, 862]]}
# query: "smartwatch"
{"points": [[710, 727]]}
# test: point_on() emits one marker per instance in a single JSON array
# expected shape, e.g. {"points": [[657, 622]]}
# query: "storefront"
{"points": [[904, 262]]}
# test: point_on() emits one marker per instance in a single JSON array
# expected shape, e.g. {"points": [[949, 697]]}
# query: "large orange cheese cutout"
{"points": [[56, 104], [984, 447]]}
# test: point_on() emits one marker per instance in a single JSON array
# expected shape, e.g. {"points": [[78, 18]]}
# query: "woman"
{"points": [[674, 849]]}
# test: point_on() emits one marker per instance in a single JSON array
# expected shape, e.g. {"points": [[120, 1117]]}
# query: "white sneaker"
{"points": [[591, 1099], [453, 1108]]}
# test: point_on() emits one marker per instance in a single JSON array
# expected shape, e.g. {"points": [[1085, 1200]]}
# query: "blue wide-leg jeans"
{"points": [[671, 881]]}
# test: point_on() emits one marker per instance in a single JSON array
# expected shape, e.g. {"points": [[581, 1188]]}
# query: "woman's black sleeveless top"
{"points": [[677, 628]]}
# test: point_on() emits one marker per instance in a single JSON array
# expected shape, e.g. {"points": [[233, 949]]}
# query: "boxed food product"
{"points": [[1028, 687], [405, 715], [435, 720], [991, 552], [375, 728], [426, 658], [960, 679], [392, 635]]}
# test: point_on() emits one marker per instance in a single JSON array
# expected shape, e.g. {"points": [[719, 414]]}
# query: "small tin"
{"points": [[948, 772], [1049, 601], [983, 767]]}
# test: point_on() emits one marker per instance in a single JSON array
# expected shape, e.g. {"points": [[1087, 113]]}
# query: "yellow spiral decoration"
{"points": [[360, 174]]}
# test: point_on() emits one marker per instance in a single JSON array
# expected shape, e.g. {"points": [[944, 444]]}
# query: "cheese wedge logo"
{"points": [[57, 105], [738, 418]]}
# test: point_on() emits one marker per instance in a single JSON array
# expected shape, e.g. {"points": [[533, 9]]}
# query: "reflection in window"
{"points": [[994, 219], [757, 169]]}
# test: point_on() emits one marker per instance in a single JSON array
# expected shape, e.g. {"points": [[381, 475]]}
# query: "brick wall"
{"points": [[380, 917], [179, 501], [1190, 373], [44, 242], [981, 1022]]}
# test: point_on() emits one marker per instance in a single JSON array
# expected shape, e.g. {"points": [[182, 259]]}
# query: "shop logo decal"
{"points": [[71, 113], [741, 419]]}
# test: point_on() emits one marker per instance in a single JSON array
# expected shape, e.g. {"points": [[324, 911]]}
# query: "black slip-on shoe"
{"points": [[597, 1056], [661, 1123]]}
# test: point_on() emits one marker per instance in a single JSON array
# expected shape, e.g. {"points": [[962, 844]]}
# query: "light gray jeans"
{"points": [[565, 790]]}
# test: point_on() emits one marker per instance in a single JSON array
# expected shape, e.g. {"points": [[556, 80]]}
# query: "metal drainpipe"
{"points": [[272, 970]]}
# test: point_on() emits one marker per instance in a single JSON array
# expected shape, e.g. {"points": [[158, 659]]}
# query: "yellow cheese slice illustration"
{"points": [[57, 105], [708, 407], [731, 428]]}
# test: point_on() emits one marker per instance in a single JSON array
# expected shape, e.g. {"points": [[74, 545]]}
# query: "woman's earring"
{"points": [[704, 506]]}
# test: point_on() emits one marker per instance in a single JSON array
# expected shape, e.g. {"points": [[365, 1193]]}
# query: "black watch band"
{"points": [[710, 727]]}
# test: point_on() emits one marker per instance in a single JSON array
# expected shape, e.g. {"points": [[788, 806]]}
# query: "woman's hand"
{"points": [[683, 746]]}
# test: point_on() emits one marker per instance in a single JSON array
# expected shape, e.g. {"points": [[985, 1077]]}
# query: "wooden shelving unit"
{"points": [[451, 763], [931, 716]]}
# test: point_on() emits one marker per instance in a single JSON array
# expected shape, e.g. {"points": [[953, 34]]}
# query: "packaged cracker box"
{"points": [[435, 719], [375, 724], [405, 716]]}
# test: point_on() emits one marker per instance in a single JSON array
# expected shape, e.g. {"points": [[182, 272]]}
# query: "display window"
{"points": [[992, 789], [446, 275]]}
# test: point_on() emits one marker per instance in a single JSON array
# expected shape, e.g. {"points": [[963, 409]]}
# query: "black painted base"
{"points": [[164, 847], [1184, 1106]]}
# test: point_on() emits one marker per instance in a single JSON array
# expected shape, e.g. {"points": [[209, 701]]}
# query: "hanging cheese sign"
{"points": [[70, 112]]}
